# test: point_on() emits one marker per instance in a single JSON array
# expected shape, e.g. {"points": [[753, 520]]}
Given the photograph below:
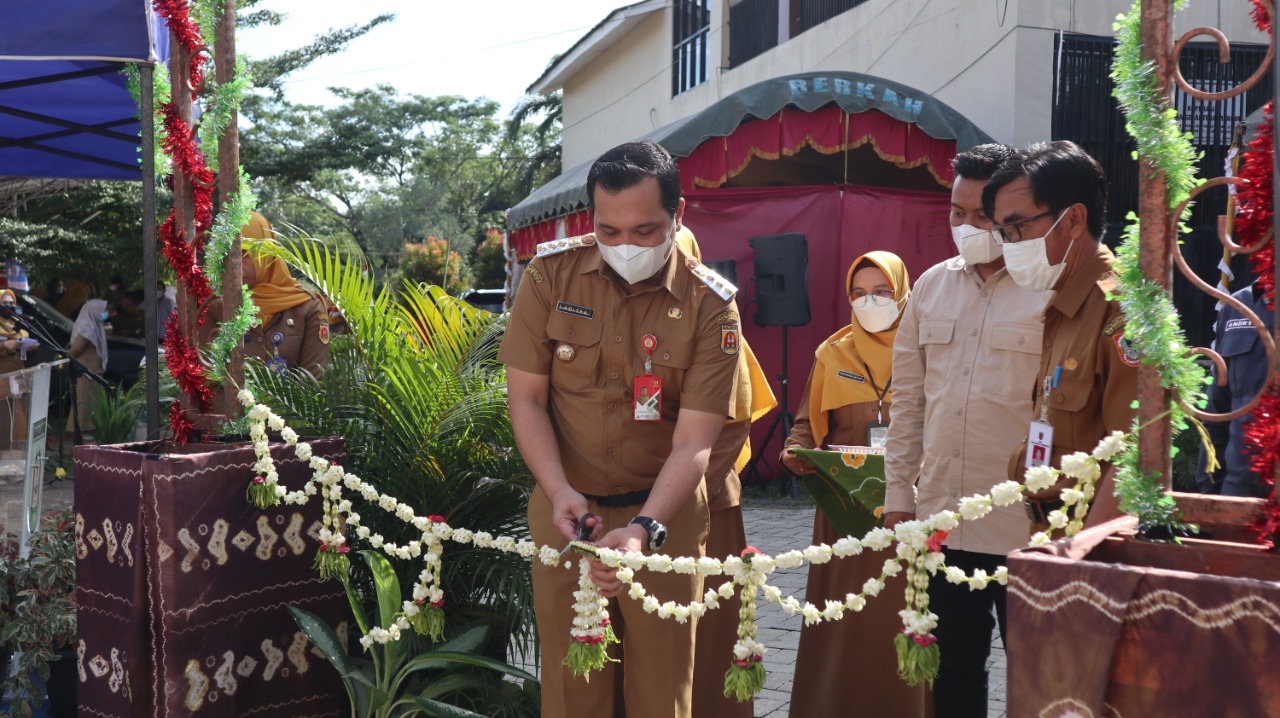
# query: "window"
{"points": [[753, 29], [692, 26], [1085, 112], [815, 12]]}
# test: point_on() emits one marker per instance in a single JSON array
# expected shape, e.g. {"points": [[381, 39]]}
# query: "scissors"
{"points": [[587, 526]]}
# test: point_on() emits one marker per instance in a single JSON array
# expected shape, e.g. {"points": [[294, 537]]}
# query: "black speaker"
{"points": [[782, 280]]}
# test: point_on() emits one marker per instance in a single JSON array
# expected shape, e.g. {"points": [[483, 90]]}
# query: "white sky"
{"points": [[482, 48]]}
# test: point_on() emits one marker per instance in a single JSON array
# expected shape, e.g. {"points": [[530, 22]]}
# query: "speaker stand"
{"points": [[784, 419]]}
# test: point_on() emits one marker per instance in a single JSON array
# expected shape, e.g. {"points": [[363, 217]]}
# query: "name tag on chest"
{"points": [[575, 310]]}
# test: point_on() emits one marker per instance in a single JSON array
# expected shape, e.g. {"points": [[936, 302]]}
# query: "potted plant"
{"points": [[394, 678], [38, 621]]}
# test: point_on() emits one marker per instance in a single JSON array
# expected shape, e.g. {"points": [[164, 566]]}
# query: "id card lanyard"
{"points": [[647, 388], [878, 431], [1040, 435]]}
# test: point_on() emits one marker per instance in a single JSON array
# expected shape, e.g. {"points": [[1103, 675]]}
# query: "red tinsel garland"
{"points": [[1256, 217], [177, 13], [185, 365], [182, 252]]}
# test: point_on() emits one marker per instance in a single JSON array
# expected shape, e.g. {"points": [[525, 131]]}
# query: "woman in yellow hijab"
{"points": [[294, 332], [846, 402]]}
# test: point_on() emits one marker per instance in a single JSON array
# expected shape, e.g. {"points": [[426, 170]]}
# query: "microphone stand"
{"points": [[77, 367]]}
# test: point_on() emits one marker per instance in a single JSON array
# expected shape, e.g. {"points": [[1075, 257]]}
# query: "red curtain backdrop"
{"points": [[840, 224], [828, 130]]}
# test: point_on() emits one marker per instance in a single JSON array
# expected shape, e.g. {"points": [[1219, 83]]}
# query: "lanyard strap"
{"points": [[879, 394]]}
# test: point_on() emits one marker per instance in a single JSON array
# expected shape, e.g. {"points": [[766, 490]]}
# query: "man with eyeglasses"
{"points": [[1049, 203], [967, 349]]}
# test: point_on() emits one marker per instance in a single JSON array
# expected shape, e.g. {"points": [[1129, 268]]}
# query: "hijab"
{"points": [[9, 328], [274, 290], [89, 326], [752, 395], [853, 365]]}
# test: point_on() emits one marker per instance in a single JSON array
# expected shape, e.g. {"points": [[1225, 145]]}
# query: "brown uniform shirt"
{"points": [[302, 331], [574, 322], [1084, 334]]}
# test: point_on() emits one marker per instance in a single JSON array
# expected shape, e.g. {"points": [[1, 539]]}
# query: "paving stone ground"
{"points": [[775, 524]]}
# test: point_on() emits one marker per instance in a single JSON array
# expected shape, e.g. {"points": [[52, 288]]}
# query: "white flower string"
{"points": [[918, 551], [591, 632]]}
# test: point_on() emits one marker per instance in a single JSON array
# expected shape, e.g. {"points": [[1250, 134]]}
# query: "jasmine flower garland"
{"points": [[917, 550]]}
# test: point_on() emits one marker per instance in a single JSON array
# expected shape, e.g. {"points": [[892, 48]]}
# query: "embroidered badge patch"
{"points": [[532, 271], [324, 332], [1127, 351], [729, 338], [575, 310], [850, 375], [1114, 325], [728, 316]]}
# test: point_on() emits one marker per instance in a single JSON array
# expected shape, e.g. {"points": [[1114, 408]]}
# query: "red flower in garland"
{"points": [[935, 540]]}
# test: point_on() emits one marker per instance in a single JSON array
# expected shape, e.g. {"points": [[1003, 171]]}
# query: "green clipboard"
{"points": [[848, 488]]}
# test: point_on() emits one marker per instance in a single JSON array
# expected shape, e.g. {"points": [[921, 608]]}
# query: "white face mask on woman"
{"points": [[875, 314], [1028, 261], [977, 246], [635, 263]]}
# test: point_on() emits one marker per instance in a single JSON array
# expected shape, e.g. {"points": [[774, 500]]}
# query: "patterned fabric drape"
{"points": [[183, 586]]}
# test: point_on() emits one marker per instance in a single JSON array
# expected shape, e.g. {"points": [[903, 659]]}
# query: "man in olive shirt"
{"points": [[968, 346], [598, 321], [1049, 204]]}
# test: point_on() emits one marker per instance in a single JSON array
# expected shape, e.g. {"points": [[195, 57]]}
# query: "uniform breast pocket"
{"points": [[1073, 398], [576, 351], [1014, 359], [670, 363], [934, 338], [1233, 346]]}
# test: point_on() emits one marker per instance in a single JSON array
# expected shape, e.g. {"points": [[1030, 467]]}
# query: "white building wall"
{"points": [[991, 61]]}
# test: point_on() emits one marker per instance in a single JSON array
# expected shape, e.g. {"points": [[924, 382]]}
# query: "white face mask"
{"points": [[635, 263], [875, 314], [1028, 262], [977, 246]]}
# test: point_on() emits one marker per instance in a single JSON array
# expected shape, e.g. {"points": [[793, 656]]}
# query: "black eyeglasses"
{"points": [[1012, 232]]}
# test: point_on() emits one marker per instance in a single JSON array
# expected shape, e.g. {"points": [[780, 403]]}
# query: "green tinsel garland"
{"points": [[160, 94], [220, 103], [206, 14], [1151, 320], [226, 228], [230, 335]]}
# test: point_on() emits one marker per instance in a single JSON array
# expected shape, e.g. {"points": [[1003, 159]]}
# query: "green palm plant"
{"points": [[418, 393]]}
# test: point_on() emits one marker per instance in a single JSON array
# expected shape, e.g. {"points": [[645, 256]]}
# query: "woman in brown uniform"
{"points": [[89, 346], [294, 328], [849, 667]]}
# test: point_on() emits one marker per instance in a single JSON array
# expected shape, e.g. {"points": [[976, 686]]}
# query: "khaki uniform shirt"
{"points": [[1083, 334], [574, 322], [965, 354], [302, 331]]}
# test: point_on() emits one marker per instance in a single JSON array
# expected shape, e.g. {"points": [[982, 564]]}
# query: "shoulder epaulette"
{"points": [[722, 287], [556, 246]]}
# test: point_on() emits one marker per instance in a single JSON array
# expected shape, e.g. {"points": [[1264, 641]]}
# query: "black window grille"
{"points": [[753, 29], [691, 28], [816, 12], [1085, 112]]}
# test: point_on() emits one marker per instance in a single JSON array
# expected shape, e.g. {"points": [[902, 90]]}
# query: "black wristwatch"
{"points": [[657, 532]]}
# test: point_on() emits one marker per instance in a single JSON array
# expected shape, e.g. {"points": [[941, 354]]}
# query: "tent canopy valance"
{"points": [[834, 105], [65, 109]]}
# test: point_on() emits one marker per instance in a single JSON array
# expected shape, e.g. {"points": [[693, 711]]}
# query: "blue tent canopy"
{"points": [[65, 109]]}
